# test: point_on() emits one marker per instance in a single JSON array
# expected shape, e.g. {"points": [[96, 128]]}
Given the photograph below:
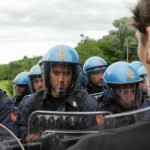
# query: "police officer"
{"points": [[94, 68], [35, 78], [60, 70], [8, 117], [121, 88], [35, 84], [20, 87]]}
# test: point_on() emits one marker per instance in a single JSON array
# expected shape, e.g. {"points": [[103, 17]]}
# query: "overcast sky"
{"points": [[31, 27]]}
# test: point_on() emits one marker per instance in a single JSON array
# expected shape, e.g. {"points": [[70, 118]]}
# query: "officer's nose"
{"points": [[101, 75], [61, 77], [40, 84], [131, 95]]}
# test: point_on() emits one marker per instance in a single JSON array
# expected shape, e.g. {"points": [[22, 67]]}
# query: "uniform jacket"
{"points": [[76, 101], [8, 116]]}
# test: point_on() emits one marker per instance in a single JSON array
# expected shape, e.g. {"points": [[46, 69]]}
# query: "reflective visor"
{"points": [[126, 95], [61, 76]]}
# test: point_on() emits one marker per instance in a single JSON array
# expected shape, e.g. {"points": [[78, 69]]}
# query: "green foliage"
{"points": [[4, 86], [125, 38], [111, 53], [87, 49], [9, 71]]}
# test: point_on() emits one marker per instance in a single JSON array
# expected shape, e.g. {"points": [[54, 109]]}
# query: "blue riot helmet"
{"points": [[136, 64], [21, 84], [35, 78], [142, 71], [94, 63], [145, 84], [121, 86], [61, 61], [95, 66]]}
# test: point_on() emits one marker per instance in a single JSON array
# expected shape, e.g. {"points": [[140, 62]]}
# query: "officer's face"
{"points": [[61, 79], [20, 89], [96, 78], [37, 83], [126, 95]]}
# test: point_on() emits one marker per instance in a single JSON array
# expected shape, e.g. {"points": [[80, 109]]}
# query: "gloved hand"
{"points": [[32, 138]]}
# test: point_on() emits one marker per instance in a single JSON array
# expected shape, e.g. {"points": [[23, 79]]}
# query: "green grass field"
{"points": [[3, 86]]}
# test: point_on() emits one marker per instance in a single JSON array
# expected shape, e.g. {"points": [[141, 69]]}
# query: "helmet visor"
{"points": [[126, 95], [19, 90], [61, 77]]}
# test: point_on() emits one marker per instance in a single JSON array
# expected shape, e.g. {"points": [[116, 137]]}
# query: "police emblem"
{"points": [[13, 116], [130, 74], [61, 54], [99, 63], [38, 70], [74, 104]]}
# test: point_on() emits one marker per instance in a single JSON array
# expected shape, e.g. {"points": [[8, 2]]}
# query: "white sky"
{"points": [[31, 27]]}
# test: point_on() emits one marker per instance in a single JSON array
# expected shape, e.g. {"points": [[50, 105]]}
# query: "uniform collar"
{"points": [[71, 99]]}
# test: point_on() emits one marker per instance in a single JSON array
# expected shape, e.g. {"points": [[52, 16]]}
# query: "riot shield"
{"points": [[126, 118], [8, 140], [59, 130]]}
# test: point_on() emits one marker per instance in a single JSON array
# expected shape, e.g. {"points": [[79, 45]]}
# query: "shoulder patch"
{"points": [[13, 116]]}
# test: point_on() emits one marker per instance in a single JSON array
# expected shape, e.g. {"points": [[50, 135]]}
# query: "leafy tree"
{"points": [[125, 38], [111, 53], [87, 48]]}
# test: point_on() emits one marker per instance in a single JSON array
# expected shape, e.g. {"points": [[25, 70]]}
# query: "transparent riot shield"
{"points": [[126, 118], [8, 140], [59, 130], [97, 95]]}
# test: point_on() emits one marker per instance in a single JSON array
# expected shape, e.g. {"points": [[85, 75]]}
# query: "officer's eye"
{"points": [[125, 91], [67, 73], [56, 73], [36, 81]]}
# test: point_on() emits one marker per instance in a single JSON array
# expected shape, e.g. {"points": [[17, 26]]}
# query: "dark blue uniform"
{"points": [[146, 103], [76, 101], [17, 99], [8, 116]]}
